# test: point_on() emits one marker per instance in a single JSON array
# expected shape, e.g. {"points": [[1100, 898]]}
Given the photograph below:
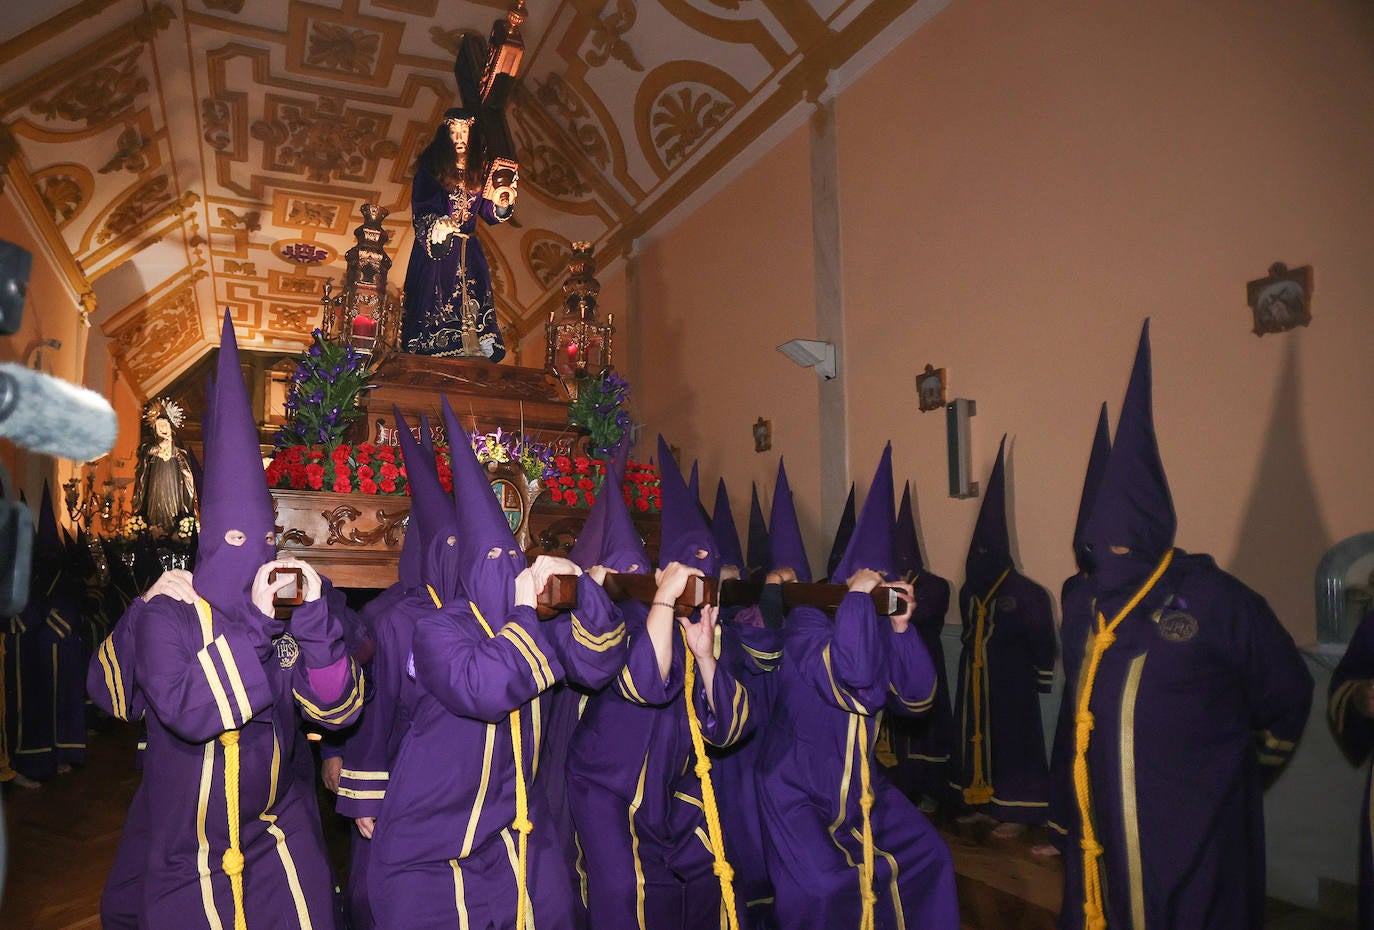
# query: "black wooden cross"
{"points": [[485, 72]]}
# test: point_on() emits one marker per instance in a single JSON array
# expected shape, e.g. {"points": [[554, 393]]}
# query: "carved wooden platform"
{"points": [[355, 539]]}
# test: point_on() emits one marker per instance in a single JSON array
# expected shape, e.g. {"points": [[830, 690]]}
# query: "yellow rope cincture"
{"points": [[232, 861], [708, 794], [522, 824], [980, 792], [1094, 917], [867, 895]]}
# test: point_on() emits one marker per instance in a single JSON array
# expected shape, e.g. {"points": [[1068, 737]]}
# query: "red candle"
{"points": [[364, 326]]}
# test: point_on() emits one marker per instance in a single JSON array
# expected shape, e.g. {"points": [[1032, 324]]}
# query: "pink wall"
{"points": [[719, 293], [1020, 186]]}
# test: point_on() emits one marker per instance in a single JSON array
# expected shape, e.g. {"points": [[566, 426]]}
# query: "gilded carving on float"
{"points": [[324, 140], [607, 35], [222, 120], [294, 284], [131, 154], [100, 95], [247, 269], [547, 254], [308, 213], [561, 102], [293, 318]]}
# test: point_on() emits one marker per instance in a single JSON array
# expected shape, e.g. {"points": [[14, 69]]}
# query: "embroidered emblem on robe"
{"points": [[288, 651], [1177, 627]]}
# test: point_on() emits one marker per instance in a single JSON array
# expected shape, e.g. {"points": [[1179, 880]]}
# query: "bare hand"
{"points": [[599, 573], [864, 580], [366, 825], [729, 573], [902, 621], [174, 583], [701, 636], [264, 591], [672, 581], [546, 566], [314, 587], [780, 575], [329, 773]]}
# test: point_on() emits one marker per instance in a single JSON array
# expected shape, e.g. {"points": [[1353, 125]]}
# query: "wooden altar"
{"points": [[355, 539]]}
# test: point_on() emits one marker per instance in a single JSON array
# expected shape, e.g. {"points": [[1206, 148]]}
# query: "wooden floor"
{"points": [[62, 838]]}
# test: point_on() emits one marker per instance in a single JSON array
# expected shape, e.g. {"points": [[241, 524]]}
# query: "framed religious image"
{"points": [[930, 389], [1282, 301], [763, 435]]}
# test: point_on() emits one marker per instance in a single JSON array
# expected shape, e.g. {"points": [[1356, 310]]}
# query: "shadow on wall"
{"points": [[1282, 536]]}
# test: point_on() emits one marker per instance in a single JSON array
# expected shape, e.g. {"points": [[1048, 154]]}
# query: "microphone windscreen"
{"points": [[49, 415]]}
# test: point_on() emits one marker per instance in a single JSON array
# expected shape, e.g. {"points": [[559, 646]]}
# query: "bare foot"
{"points": [[1045, 850], [63, 768], [23, 781], [1007, 831]]}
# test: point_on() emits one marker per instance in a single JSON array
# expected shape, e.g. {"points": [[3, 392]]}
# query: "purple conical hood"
{"points": [[784, 531], [586, 549], [1092, 480], [684, 531], [989, 552], [431, 514], [907, 542], [621, 546], [842, 534], [47, 544], [482, 527], [694, 483], [1133, 507], [871, 545], [760, 547], [724, 532], [236, 496]]}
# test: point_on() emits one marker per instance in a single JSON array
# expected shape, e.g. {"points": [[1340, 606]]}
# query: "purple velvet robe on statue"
{"points": [[1355, 732]]}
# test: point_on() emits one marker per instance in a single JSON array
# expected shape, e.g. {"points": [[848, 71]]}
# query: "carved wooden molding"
{"points": [[390, 526]]}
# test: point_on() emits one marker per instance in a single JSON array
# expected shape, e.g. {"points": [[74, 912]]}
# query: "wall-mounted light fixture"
{"points": [[811, 353]]}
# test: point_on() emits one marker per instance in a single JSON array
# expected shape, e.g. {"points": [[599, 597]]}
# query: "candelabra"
{"points": [[576, 343], [363, 314]]}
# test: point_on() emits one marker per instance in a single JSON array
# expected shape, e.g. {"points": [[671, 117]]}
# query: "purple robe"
{"points": [[1355, 733], [444, 850], [922, 745], [45, 666], [433, 295], [634, 793], [210, 679], [1200, 694], [837, 679], [998, 709]]}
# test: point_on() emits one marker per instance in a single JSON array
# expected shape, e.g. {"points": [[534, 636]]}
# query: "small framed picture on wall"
{"points": [[1281, 301], [930, 389]]}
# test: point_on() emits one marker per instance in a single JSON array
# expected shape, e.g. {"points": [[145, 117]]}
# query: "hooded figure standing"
{"points": [[233, 837], [1350, 708], [1188, 690], [845, 847], [1007, 661], [462, 838], [638, 774], [921, 746]]}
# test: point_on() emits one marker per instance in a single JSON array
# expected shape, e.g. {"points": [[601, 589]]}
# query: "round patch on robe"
{"points": [[1006, 603], [1177, 627], [288, 650]]}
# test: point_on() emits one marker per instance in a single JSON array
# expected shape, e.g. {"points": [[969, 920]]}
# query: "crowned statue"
{"points": [[164, 489]]}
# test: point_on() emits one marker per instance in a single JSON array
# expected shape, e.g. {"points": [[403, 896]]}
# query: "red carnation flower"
{"points": [[341, 471], [562, 463], [387, 453], [366, 448], [343, 486], [566, 480], [365, 471], [315, 455], [297, 475], [591, 498], [642, 505], [362, 458], [389, 470], [586, 484], [582, 466], [388, 486], [341, 454], [556, 495], [314, 476], [367, 486]]}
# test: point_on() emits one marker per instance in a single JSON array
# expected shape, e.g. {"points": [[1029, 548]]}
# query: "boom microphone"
{"points": [[47, 414]]}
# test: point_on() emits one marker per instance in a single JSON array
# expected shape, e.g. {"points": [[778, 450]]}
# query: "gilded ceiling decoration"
{"points": [[223, 148]]}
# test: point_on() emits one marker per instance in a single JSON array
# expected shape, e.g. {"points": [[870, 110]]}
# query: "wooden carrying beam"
{"points": [[561, 594]]}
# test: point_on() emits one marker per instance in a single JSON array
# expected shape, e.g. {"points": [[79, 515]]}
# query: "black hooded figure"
{"points": [[1188, 689], [1007, 661]]}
